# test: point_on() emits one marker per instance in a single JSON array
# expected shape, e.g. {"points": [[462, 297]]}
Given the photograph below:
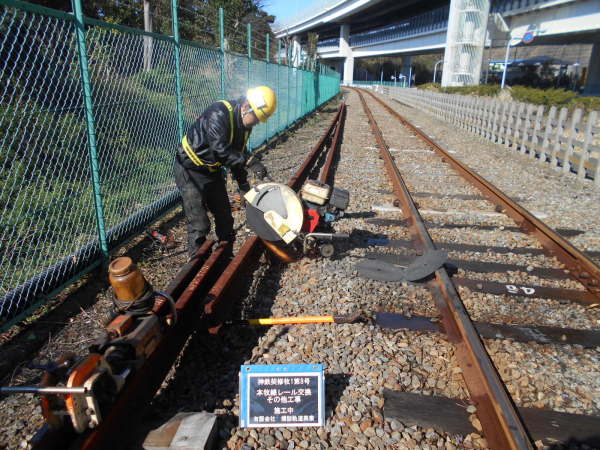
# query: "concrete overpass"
{"points": [[351, 29]]}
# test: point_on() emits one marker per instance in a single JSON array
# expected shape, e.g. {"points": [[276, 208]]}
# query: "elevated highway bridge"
{"points": [[350, 29]]}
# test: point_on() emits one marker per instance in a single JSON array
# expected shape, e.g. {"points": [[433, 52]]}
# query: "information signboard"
{"points": [[282, 395], [528, 37]]}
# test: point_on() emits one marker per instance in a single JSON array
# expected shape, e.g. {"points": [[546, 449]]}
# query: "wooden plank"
{"points": [[540, 334], [463, 247], [450, 415], [531, 291], [445, 196], [441, 413], [565, 232], [475, 266]]}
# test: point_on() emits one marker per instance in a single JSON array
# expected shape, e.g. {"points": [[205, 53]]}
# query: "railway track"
{"points": [[498, 349], [502, 424], [205, 290]]}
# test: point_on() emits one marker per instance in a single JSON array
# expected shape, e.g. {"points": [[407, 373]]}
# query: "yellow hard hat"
{"points": [[263, 101]]}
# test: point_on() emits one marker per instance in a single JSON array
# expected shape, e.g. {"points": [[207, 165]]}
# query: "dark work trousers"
{"points": [[202, 191]]}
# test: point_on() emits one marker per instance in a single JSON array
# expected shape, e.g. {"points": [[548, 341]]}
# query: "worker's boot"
{"points": [[194, 244], [227, 250]]}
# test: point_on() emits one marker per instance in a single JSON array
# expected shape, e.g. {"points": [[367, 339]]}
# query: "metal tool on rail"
{"points": [[502, 425], [78, 391], [300, 222], [580, 267], [204, 291]]}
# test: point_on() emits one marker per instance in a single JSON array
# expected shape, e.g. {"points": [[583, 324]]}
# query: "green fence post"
{"points": [[177, 68], [287, 116], [296, 96], [268, 54], [278, 90], [91, 127], [249, 39], [222, 45]]}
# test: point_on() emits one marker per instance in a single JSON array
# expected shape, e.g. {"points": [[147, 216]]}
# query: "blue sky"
{"points": [[284, 8]]}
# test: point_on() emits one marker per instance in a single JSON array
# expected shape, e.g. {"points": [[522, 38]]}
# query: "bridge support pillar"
{"points": [[406, 70], [465, 38], [592, 85], [346, 51]]}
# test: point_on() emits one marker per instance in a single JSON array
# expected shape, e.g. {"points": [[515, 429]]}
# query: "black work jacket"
{"points": [[209, 138]]}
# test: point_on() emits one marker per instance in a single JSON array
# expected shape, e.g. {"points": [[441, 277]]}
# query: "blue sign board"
{"points": [[528, 37], [282, 395]]}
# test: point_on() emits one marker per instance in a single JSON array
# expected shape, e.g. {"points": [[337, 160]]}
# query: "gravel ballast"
{"points": [[361, 359]]}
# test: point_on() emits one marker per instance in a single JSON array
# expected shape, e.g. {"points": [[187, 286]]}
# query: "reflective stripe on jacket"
{"points": [[217, 138]]}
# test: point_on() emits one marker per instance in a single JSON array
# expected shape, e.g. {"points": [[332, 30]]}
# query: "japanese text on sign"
{"points": [[290, 399]]}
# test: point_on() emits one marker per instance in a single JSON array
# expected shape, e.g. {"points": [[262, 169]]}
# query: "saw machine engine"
{"points": [[79, 391], [301, 221]]}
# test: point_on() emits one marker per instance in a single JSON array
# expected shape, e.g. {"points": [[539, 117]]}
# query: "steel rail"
{"points": [[141, 387], [327, 168], [219, 302], [581, 268], [501, 423], [204, 295]]}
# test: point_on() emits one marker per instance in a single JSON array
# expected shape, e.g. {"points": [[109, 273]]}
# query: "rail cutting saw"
{"points": [[300, 221]]}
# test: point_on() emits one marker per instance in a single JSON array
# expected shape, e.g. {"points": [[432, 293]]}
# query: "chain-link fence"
{"points": [[89, 123]]}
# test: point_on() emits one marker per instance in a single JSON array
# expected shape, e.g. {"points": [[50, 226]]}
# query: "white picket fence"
{"points": [[562, 138]]}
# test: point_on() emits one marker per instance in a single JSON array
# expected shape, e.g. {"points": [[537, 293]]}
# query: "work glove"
{"points": [[258, 169], [238, 197]]}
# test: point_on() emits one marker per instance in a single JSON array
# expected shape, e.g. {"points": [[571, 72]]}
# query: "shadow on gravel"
{"points": [[205, 376], [359, 215], [335, 385], [358, 239]]}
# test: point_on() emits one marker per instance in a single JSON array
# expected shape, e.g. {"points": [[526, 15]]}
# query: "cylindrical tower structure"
{"points": [[465, 40]]}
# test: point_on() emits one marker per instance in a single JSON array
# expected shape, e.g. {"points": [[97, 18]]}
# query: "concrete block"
{"points": [[184, 431]]}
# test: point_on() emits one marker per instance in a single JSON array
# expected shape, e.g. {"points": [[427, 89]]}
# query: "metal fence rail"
{"points": [[432, 21], [568, 140], [91, 114]]}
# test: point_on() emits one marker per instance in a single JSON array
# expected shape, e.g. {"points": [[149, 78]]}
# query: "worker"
{"points": [[218, 139]]}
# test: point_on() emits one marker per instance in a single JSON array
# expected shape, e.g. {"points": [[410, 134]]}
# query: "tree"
{"points": [[198, 19]]}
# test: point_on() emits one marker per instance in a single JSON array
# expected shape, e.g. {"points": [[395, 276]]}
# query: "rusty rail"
{"points": [[502, 426], [205, 294], [581, 268], [219, 302], [334, 150], [142, 386]]}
